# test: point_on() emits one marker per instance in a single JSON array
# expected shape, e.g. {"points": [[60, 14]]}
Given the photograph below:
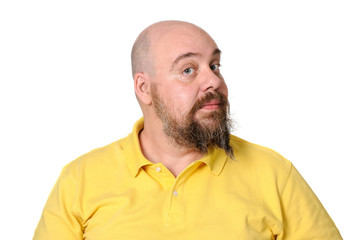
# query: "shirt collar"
{"points": [[133, 154], [215, 159]]}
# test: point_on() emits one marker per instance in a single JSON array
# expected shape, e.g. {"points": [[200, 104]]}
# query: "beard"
{"points": [[211, 130]]}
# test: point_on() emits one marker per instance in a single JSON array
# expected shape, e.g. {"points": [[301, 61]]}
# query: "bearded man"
{"points": [[180, 174]]}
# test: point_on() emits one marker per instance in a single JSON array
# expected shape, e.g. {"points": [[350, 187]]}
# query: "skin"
{"points": [[182, 61]]}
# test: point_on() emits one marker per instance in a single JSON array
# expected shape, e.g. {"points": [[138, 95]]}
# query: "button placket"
{"points": [[175, 214], [175, 207]]}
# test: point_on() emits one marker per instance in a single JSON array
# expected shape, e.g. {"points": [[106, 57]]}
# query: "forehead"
{"points": [[169, 44]]}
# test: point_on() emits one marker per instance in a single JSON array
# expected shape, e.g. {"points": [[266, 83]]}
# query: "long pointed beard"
{"points": [[211, 130]]}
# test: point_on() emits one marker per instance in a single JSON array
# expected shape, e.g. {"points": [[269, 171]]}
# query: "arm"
{"points": [[59, 219], [304, 217]]}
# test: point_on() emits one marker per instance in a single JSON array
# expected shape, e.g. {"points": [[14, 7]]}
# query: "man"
{"points": [[180, 174]]}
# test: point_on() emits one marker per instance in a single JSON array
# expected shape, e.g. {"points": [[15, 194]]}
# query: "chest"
{"points": [[196, 207]]}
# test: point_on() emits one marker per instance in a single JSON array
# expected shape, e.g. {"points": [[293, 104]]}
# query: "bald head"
{"points": [[143, 54]]}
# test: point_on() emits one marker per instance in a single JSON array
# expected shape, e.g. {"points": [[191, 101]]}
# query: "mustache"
{"points": [[223, 102]]}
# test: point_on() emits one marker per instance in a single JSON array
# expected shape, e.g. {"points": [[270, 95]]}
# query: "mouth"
{"points": [[211, 105]]}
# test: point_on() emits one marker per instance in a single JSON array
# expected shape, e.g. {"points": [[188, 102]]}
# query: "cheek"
{"points": [[183, 100]]}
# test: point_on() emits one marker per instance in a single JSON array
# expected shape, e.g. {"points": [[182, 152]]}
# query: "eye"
{"points": [[215, 67], [188, 71]]}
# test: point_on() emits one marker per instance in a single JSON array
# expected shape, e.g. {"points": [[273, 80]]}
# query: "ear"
{"points": [[142, 87]]}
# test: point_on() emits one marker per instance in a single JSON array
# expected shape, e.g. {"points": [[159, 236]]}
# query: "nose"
{"points": [[211, 80]]}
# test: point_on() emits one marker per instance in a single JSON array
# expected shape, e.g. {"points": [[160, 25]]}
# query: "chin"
{"points": [[208, 120]]}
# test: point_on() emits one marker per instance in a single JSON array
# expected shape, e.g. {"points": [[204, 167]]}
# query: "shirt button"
{"points": [[158, 169], [175, 193]]}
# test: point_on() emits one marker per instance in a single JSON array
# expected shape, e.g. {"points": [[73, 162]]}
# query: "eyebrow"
{"points": [[192, 54]]}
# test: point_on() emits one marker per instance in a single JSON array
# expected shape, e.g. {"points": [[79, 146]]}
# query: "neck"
{"points": [[158, 147]]}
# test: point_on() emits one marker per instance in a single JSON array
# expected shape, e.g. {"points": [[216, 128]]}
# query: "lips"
{"points": [[211, 105], [212, 102]]}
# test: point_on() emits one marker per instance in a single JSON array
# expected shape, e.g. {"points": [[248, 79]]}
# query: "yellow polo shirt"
{"points": [[114, 193]]}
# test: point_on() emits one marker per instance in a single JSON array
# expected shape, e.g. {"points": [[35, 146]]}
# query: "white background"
{"points": [[293, 69]]}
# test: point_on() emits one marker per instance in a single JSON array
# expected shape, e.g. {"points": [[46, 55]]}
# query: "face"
{"points": [[187, 63], [188, 91]]}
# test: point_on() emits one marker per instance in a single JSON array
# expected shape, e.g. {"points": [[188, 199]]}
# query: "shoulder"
{"points": [[246, 151], [260, 167], [98, 160], [258, 158]]}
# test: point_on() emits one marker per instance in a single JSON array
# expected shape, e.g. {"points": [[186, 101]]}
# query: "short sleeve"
{"points": [[59, 219], [304, 217]]}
